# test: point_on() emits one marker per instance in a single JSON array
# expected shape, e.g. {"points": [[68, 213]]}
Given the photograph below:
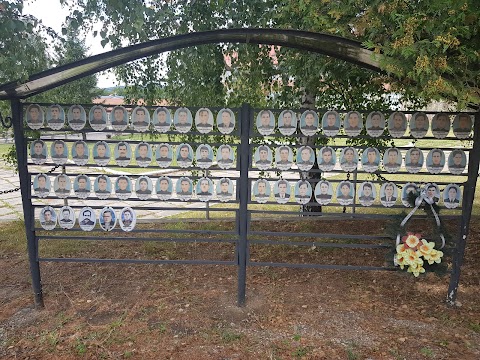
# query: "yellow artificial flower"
{"points": [[412, 240], [412, 258], [416, 270], [401, 260], [434, 256], [401, 248], [426, 247]]}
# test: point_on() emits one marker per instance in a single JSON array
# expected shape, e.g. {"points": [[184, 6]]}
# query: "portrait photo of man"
{"points": [[119, 118], [34, 116], [440, 125], [107, 218], [38, 152], [414, 160], [375, 124], [462, 126], [348, 159], [143, 154], [392, 160], [388, 194], [61, 186], [331, 123], [162, 119], [55, 117], [326, 158], [76, 117], [309, 123], [184, 155], [59, 152], [457, 161], [353, 123], [225, 157], [435, 161], [345, 193], [284, 157], [164, 188], [87, 219], [182, 120], [303, 192], [370, 159], [323, 192], [122, 153], [81, 186], [204, 189], [433, 192], [451, 196], [281, 191], [204, 120], [41, 185], [419, 125], [97, 118], [127, 219], [48, 218], [409, 188], [184, 188], [140, 119], [224, 189], [80, 152], [305, 158], [204, 156], [287, 122], [261, 190], [66, 218], [164, 155], [101, 153], [263, 157], [397, 124], [225, 121], [265, 122], [143, 187], [102, 187], [366, 193], [123, 187]]}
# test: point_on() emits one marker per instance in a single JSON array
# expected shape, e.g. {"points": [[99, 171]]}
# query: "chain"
{"points": [[18, 188], [7, 122]]}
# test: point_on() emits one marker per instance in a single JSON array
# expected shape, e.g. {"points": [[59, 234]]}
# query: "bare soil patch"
{"points": [[113, 311]]}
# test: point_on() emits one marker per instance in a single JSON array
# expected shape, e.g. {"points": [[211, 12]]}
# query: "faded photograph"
{"points": [[55, 117], [77, 117], [34, 117], [323, 192], [287, 122]]}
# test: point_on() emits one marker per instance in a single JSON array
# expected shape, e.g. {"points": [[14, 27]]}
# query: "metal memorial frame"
{"points": [[242, 235]]}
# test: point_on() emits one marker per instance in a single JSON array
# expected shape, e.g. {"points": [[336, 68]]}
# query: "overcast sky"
{"points": [[53, 15]]}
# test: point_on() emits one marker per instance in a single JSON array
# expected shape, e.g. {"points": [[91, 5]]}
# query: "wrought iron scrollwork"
{"points": [[7, 122]]}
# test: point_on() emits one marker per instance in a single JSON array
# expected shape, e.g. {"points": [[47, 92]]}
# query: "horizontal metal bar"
{"points": [[319, 266], [151, 231], [343, 111], [320, 244], [118, 207], [138, 261], [110, 238], [318, 235], [318, 215], [129, 106], [359, 171], [147, 169]]}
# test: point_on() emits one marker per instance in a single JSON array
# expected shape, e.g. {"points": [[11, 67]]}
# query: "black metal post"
{"points": [[244, 155], [468, 197], [28, 211]]}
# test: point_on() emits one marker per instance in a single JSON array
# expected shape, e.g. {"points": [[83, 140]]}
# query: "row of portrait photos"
{"points": [[87, 219], [205, 189], [345, 192], [309, 122], [263, 157], [349, 159], [143, 154], [140, 120]]}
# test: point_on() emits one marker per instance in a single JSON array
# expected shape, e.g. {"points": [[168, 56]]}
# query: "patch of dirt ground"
{"points": [[114, 311]]}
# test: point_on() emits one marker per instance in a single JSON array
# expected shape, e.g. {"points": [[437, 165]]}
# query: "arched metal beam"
{"points": [[330, 45]]}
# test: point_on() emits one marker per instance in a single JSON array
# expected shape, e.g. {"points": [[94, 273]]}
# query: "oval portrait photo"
{"points": [[164, 155], [184, 188], [225, 121], [261, 190], [107, 218], [184, 155], [410, 191], [162, 119], [122, 154], [375, 124], [392, 160], [123, 187], [353, 123], [323, 192], [419, 125], [263, 157], [309, 123], [451, 196], [303, 192], [440, 125], [164, 188], [204, 156], [59, 152], [397, 124], [82, 186], [77, 117], [66, 217], [225, 157], [370, 159], [182, 120], [204, 120], [388, 194], [41, 185], [38, 152], [87, 218], [435, 161], [287, 122], [457, 161], [143, 154], [80, 152], [305, 158], [281, 191], [140, 119], [331, 123], [101, 153], [102, 187], [143, 187], [462, 126], [283, 157], [119, 118], [127, 219], [366, 193], [265, 122], [62, 186], [34, 117], [414, 160], [204, 189], [345, 193], [48, 218], [348, 159], [55, 117], [326, 158], [224, 189], [97, 118]]}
